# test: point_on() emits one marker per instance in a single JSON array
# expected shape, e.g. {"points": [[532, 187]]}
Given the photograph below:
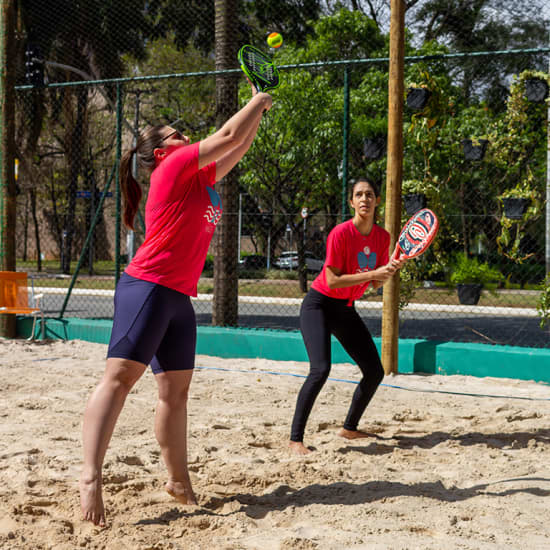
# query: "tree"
{"points": [[89, 38], [225, 307], [193, 21], [294, 162], [479, 25]]}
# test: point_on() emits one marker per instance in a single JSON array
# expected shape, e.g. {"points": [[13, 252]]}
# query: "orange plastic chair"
{"points": [[14, 298]]}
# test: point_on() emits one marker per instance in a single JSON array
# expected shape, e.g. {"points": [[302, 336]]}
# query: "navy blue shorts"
{"points": [[154, 325]]}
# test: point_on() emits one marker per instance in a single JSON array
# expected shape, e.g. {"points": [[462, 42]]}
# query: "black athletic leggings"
{"points": [[321, 316]]}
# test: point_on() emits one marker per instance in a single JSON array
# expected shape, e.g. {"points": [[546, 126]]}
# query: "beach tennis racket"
{"points": [[417, 235], [259, 68]]}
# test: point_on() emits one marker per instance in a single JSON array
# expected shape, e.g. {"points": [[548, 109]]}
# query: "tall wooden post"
{"points": [[7, 176], [390, 313]]}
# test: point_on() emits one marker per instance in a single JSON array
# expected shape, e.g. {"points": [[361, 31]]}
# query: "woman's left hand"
{"points": [[398, 264]]}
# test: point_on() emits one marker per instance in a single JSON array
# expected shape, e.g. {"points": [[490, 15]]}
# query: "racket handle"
{"points": [[395, 253]]}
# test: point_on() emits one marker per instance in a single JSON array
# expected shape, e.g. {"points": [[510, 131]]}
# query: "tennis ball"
{"points": [[275, 40]]}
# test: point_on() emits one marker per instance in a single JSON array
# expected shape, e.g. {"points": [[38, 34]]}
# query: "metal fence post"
{"points": [[117, 177], [345, 143]]}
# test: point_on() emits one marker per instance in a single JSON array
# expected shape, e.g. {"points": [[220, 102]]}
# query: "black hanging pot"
{"points": [[536, 90], [472, 151], [515, 207], [414, 202], [374, 148], [469, 293], [417, 98]]}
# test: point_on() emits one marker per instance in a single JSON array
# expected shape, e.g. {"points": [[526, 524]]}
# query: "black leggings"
{"points": [[321, 316]]}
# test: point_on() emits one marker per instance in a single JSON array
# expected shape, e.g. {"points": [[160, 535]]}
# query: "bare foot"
{"points": [[181, 491], [352, 434], [298, 448], [91, 501]]}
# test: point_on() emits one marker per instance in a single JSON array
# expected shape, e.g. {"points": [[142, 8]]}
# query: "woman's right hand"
{"points": [[264, 96], [266, 99]]}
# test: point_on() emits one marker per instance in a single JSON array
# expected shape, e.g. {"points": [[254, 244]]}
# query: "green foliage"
{"points": [[193, 21], [468, 270], [543, 307], [190, 101], [519, 157]]}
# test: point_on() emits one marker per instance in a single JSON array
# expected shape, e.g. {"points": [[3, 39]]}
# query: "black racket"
{"points": [[259, 68]]}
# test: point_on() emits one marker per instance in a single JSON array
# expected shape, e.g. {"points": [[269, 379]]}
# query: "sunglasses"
{"points": [[176, 133]]}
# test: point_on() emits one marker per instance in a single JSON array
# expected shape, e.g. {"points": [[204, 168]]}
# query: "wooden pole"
{"points": [[390, 312], [7, 163]]}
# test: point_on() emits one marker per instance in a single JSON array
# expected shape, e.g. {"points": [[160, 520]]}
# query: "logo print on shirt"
{"points": [[366, 260], [214, 210]]}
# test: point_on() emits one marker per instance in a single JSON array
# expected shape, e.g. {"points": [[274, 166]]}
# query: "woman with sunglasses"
{"points": [[154, 321]]}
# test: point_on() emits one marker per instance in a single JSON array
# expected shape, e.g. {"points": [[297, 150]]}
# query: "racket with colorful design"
{"points": [[259, 68], [417, 235]]}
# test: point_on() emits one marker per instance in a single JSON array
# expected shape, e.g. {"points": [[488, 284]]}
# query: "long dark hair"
{"points": [[148, 140]]}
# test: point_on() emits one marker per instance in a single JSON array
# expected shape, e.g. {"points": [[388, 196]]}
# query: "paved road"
{"points": [[515, 327]]}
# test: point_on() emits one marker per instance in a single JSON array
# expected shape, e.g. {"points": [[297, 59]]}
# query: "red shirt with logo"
{"points": [[181, 214], [351, 252]]}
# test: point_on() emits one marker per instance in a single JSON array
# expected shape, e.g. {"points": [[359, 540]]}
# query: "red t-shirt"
{"points": [[350, 252], [181, 214]]}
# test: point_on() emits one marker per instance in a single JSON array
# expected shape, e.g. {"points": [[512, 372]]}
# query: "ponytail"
{"points": [[131, 190], [148, 140]]}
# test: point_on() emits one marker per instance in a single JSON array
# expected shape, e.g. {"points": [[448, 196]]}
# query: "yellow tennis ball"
{"points": [[275, 40]]}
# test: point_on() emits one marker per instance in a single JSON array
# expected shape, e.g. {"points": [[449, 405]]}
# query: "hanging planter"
{"points": [[374, 148], [469, 293], [417, 98], [536, 90], [474, 150], [414, 202], [515, 207]]}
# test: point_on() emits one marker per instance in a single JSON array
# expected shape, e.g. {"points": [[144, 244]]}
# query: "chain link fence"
{"points": [[479, 140]]}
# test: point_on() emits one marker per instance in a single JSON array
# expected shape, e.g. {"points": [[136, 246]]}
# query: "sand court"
{"points": [[456, 461]]}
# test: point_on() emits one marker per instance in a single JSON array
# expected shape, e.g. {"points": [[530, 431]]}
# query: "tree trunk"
{"points": [[74, 156], [7, 173], [225, 308]]}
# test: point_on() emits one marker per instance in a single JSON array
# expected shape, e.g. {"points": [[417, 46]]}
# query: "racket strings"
{"points": [[260, 66]]}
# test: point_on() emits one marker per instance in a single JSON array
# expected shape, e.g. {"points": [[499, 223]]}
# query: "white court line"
{"points": [[434, 308]]}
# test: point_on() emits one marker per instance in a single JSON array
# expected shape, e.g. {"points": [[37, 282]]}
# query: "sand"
{"points": [[469, 470]]}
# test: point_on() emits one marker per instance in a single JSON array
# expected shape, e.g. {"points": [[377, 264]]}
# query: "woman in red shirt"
{"points": [[154, 321], [357, 256]]}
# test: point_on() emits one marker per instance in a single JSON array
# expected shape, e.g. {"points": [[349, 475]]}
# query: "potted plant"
{"points": [[374, 147], [536, 89], [474, 148], [374, 132], [470, 276], [418, 97], [516, 201], [414, 195]]}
